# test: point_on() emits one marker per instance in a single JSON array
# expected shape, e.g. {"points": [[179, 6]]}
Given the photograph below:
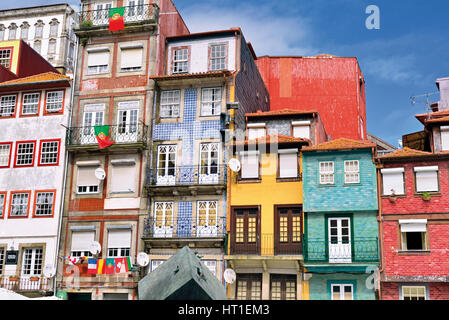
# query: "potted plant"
{"points": [[392, 196], [426, 196], [34, 278]]}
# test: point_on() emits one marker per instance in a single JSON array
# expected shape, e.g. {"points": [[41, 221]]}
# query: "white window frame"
{"points": [[217, 56], [33, 103], [54, 101], [211, 265], [211, 103], [48, 150], [181, 61], [5, 154], [2, 208], [32, 261], [5, 57], [352, 172], [416, 226], [170, 104], [327, 176], [417, 288], [444, 132], [135, 64], [23, 207], [87, 189], [127, 165], [342, 292], [424, 172], [156, 263], [23, 153]]}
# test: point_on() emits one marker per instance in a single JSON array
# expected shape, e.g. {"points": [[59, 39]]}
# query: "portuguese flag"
{"points": [[102, 135], [116, 19]]}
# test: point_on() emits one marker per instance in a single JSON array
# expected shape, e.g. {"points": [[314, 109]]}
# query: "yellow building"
{"points": [[265, 217]]}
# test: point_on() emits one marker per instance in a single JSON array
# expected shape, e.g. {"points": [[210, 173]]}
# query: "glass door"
{"points": [[208, 171], [166, 165], [339, 240]]}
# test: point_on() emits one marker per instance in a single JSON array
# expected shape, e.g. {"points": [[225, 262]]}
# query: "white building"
{"points": [[48, 29]]}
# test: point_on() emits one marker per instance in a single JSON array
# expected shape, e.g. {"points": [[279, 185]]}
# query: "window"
{"points": [[54, 101], [2, 32], [426, 178], [49, 152], [327, 172], [245, 230], [180, 60], [30, 104], [414, 293], [166, 164], [207, 218], [54, 28], [170, 104], [7, 105], [209, 159], [37, 46], [352, 171], [282, 287], [71, 50], [163, 219], [86, 182], [256, 130], [2, 206], [2, 259], [5, 154], [39, 27], [98, 62], [217, 58], [301, 129], [392, 181], [102, 13], [51, 46], [156, 263], [25, 154], [414, 234], [249, 287], [24, 31], [132, 7], [288, 163], [5, 58], [211, 265], [342, 291], [119, 243], [19, 204], [93, 116], [287, 226], [210, 101], [444, 130], [250, 165], [131, 59], [123, 175], [32, 261], [44, 203], [127, 120], [12, 32], [81, 241]]}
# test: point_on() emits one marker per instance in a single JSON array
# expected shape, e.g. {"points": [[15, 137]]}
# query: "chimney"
{"points": [[443, 86]]}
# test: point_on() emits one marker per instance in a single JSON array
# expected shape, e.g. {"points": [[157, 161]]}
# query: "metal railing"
{"points": [[26, 284], [187, 175], [136, 13], [185, 228], [132, 133], [264, 244], [356, 250]]}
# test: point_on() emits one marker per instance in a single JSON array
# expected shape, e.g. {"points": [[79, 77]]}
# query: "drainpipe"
{"points": [[379, 220], [66, 164]]}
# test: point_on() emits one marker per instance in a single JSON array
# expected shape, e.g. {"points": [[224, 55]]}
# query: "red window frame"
{"points": [[172, 60], [10, 153], [45, 112], [38, 108], [53, 205], [15, 107], [10, 204], [17, 149], [2, 214], [12, 52], [40, 152]]}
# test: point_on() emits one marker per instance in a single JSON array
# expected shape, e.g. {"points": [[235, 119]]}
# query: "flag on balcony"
{"points": [[102, 135], [100, 266], [116, 21], [92, 266], [110, 266]]}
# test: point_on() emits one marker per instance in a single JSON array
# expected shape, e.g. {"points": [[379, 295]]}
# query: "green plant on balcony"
{"points": [[86, 24], [393, 197], [426, 196], [84, 41]]}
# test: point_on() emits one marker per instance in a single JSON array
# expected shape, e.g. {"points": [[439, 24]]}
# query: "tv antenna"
{"points": [[424, 98]]}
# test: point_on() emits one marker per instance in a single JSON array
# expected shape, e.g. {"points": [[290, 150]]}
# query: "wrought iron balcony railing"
{"points": [[136, 13], [265, 244], [121, 134], [356, 250], [165, 227], [25, 284], [187, 175]]}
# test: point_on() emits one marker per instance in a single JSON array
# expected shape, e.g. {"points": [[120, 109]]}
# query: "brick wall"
{"points": [[437, 290]]}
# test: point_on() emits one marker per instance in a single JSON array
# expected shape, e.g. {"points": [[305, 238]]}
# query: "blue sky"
{"points": [[403, 58]]}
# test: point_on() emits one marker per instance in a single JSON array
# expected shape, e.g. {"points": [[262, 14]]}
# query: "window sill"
{"points": [[258, 180], [414, 252], [295, 179], [396, 196]]}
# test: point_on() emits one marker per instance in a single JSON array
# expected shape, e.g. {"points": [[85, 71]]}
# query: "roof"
{"points": [[210, 74], [379, 142], [341, 144], [426, 117], [438, 120], [284, 112], [405, 153], [275, 138], [42, 77], [206, 33]]}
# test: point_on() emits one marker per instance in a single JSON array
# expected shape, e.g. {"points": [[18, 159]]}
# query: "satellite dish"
{"points": [[234, 164], [95, 247], [143, 259], [100, 174], [49, 271], [229, 276]]}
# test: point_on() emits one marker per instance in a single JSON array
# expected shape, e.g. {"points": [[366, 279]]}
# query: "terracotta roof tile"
{"points": [[437, 120], [279, 138], [404, 153], [279, 113], [429, 117], [48, 76], [341, 144]]}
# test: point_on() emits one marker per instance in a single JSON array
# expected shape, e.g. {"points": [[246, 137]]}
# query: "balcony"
{"points": [[133, 136], [264, 244], [358, 250], [136, 18], [186, 180], [26, 284], [168, 233]]}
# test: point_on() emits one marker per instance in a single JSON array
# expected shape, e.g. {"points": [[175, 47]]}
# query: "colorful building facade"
{"points": [[341, 246]]}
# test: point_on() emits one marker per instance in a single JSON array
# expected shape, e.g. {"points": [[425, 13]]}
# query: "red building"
{"points": [[414, 206], [331, 85]]}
